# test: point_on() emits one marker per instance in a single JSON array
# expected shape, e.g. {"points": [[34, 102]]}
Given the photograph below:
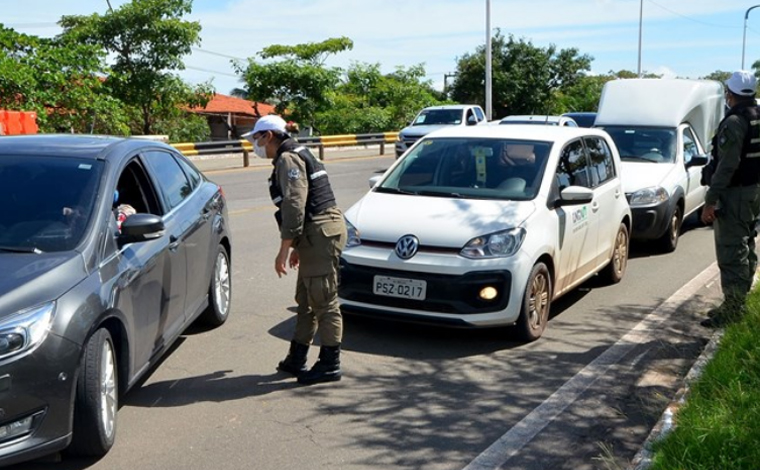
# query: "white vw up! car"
{"points": [[486, 225]]}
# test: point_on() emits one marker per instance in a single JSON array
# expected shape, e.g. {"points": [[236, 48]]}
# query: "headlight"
{"points": [[649, 196], [25, 330], [496, 245], [399, 137], [353, 236]]}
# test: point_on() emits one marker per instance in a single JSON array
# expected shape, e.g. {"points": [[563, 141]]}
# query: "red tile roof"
{"points": [[228, 104]]}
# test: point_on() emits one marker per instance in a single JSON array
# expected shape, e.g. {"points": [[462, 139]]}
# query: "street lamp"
{"points": [[488, 60], [641, 21], [744, 39]]}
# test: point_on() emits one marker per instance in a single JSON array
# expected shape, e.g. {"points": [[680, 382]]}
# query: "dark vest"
{"points": [[320, 196], [748, 172]]}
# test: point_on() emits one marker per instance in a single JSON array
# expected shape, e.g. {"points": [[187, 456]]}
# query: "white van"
{"points": [[663, 129]]}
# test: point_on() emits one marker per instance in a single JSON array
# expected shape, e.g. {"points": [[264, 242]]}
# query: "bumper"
{"points": [[39, 385], [651, 222], [450, 299]]}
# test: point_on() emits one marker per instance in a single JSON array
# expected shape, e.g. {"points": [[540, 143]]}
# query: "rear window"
{"points": [[48, 202]]}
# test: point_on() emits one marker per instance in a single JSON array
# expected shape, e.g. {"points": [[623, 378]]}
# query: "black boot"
{"points": [[327, 368], [295, 362]]}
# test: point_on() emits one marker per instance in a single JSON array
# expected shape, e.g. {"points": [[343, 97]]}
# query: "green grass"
{"points": [[719, 425]]}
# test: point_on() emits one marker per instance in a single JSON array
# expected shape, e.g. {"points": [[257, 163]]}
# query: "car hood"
{"points": [[419, 131], [31, 279], [636, 175], [435, 221]]}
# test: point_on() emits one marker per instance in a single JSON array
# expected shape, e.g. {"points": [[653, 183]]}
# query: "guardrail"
{"points": [[245, 147]]}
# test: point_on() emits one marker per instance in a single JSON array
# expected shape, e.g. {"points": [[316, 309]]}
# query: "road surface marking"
{"points": [[509, 444]]}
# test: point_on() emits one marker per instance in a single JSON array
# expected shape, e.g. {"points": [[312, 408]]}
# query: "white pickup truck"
{"points": [[436, 117]]}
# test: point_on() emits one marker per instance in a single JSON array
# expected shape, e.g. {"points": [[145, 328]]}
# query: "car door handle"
{"points": [[173, 243]]}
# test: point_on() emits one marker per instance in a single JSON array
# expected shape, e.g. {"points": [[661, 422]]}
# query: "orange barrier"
{"points": [[18, 122]]}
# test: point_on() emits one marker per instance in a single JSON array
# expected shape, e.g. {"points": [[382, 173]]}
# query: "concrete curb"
{"points": [[643, 459]]}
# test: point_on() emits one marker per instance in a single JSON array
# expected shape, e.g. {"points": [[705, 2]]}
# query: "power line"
{"points": [[690, 18], [212, 71], [218, 54]]}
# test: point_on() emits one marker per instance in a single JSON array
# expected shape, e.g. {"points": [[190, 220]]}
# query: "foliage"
{"points": [[525, 78], [719, 75], [368, 101], [149, 39], [298, 83], [585, 93], [60, 80]]}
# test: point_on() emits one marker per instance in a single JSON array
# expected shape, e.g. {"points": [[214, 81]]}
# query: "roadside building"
{"points": [[229, 117]]}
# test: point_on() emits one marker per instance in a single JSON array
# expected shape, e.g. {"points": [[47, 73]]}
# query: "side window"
{"points": [[690, 148], [175, 186], [193, 175], [479, 114], [602, 167], [135, 189], [572, 169]]}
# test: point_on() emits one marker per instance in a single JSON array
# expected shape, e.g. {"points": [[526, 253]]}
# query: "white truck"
{"points": [[437, 117], [663, 129]]}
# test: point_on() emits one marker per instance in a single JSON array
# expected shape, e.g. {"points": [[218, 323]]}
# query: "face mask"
{"points": [[259, 150]]}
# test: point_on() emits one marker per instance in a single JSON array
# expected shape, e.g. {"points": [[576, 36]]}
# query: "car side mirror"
{"points": [[471, 121], [698, 160], [140, 228], [373, 180], [574, 195]]}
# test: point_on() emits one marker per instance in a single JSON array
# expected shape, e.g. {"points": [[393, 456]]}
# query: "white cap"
{"points": [[271, 122], [742, 83]]}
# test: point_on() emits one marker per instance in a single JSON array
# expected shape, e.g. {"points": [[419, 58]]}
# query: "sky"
{"points": [[684, 38]]}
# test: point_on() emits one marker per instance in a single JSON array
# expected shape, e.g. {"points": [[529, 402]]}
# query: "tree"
{"points": [[149, 39], [298, 82], [585, 93], [368, 101], [59, 79], [721, 76], [525, 77]]}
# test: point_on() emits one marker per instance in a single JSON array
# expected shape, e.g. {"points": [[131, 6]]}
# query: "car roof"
{"points": [[450, 106], [94, 147], [533, 117], [519, 132]]}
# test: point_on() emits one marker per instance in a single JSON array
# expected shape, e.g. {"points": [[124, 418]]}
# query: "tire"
{"points": [[219, 291], [669, 240], [96, 401], [536, 303], [615, 270]]}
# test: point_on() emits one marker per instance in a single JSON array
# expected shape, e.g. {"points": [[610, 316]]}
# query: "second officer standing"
{"points": [[312, 237]]}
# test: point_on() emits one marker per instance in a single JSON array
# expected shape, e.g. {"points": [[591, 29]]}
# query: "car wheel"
{"points": [[669, 240], [219, 291], [535, 305], [614, 271], [96, 401]]}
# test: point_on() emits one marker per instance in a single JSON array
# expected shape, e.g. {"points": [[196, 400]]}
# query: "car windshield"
{"points": [[644, 144], [477, 168], [438, 117], [48, 202]]}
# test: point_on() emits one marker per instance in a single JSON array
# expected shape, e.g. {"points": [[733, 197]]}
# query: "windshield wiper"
{"points": [[382, 189], [636, 157], [21, 249]]}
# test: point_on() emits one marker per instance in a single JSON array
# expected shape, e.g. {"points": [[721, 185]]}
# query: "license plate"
{"points": [[398, 287]]}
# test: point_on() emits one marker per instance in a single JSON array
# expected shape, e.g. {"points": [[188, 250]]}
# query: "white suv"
{"points": [[485, 226], [438, 117]]}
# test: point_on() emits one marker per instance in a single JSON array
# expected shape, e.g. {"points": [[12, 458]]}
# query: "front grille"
{"points": [[444, 293]]}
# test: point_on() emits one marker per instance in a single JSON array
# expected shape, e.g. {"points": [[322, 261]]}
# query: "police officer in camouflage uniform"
{"points": [[312, 233], [732, 203]]}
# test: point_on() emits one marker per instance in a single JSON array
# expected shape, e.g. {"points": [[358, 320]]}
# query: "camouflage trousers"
{"points": [[734, 230]]}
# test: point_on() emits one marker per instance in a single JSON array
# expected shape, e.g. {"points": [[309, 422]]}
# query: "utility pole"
{"points": [[489, 104], [641, 23], [446, 81]]}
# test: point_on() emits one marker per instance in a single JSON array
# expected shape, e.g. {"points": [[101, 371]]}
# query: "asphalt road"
{"points": [[413, 397]]}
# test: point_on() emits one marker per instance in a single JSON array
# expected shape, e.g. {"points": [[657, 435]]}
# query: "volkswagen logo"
{"points": [[407, 246]]}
